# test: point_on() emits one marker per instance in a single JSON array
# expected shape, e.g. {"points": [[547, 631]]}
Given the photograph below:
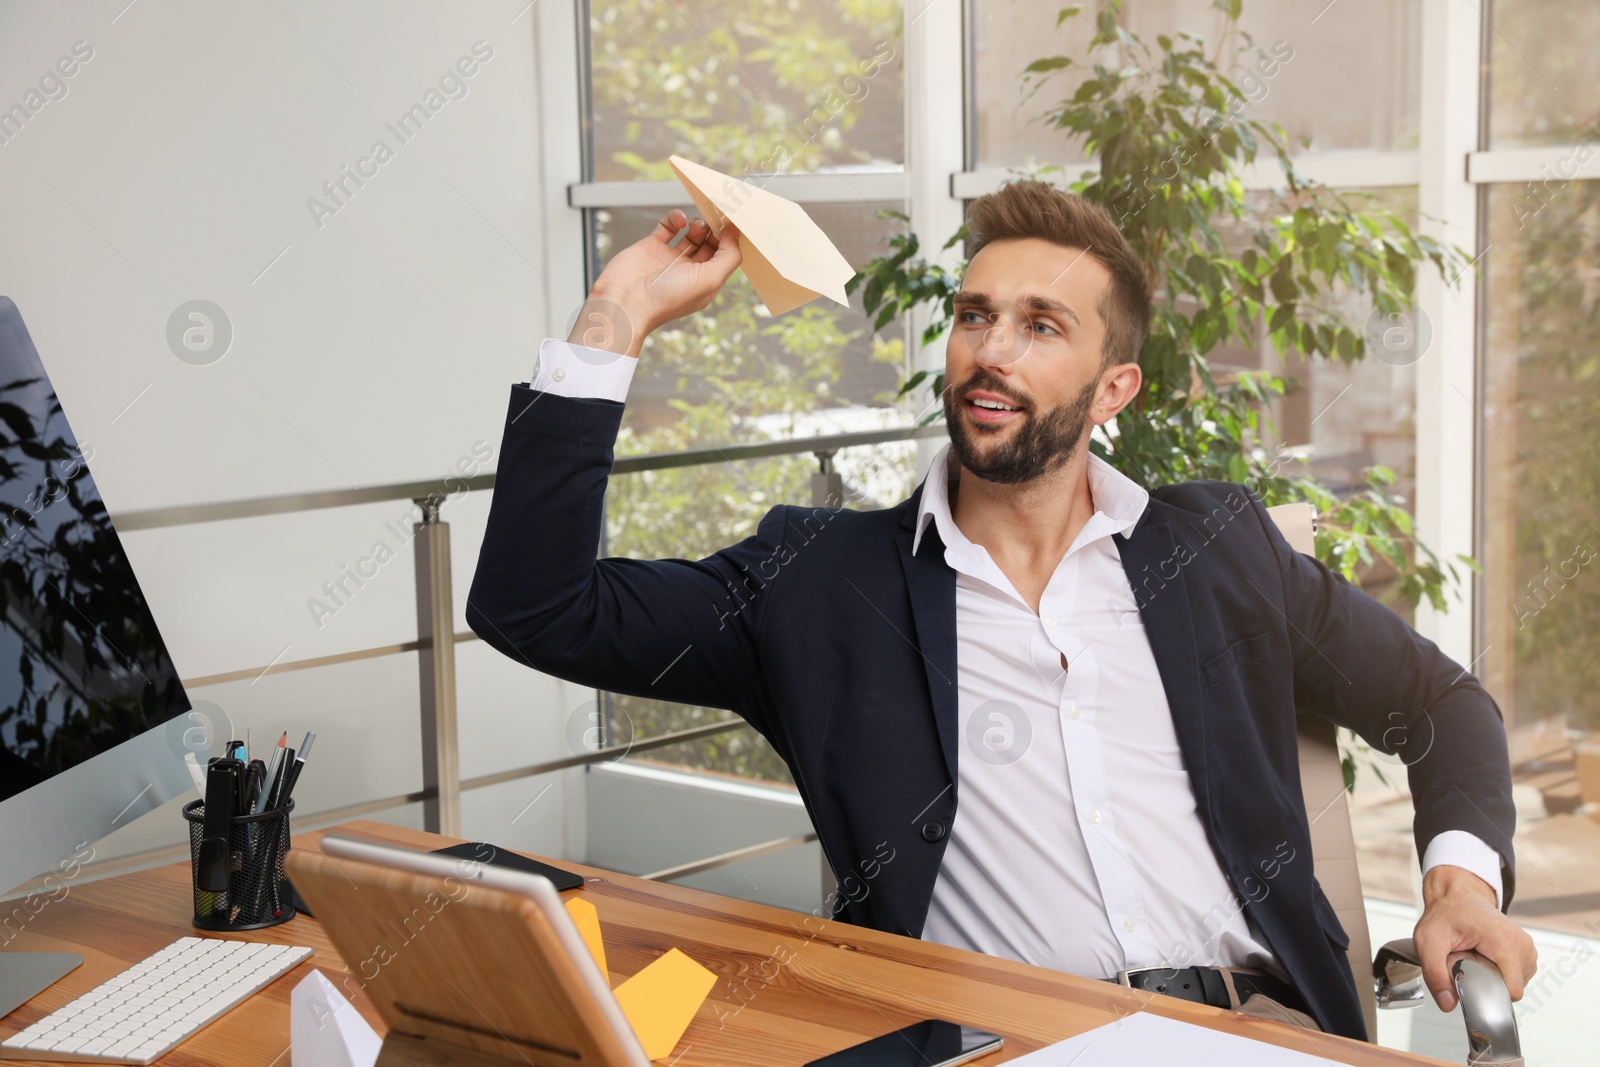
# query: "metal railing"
{"points": [[436, 639]]}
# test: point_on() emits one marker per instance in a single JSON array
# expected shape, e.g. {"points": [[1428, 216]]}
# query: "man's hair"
{"points": [[1038, 209]]}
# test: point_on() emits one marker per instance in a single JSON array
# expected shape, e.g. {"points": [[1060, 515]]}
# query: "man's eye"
{"points": [[1037, 326], [964, 314]]}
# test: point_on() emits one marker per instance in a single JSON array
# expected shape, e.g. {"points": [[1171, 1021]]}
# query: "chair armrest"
{"points": [[1492, 1038]]}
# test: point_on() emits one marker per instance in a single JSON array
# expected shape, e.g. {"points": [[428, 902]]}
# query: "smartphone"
{"points": [[499, 857], [930, 1043]]}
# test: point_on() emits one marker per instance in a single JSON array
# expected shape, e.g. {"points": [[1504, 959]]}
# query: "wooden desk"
{"points": [[790, 987]]}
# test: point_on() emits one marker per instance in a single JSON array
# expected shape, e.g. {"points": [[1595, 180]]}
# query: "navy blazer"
{"points": [[839, 646]]}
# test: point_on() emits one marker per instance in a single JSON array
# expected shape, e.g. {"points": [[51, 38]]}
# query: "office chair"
{"points": [[1393, 979]]}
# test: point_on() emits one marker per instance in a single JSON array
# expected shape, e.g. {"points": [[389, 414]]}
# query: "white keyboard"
{"points": [[152, 1006]]}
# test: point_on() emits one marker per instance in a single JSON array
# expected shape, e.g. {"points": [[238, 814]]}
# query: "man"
{"points": [[1105, 677]]}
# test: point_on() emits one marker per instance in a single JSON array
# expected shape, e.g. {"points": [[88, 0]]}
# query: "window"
{"points": [[1540, 598], [1545, 82], [1539, 593], [1312, 92], [745, 86], [756, 88]]}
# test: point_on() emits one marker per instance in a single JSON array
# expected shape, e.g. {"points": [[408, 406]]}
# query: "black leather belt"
{"points": [[1204, 985]]}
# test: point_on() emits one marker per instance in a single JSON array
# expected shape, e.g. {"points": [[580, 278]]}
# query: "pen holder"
{"points": [[257, 895]]}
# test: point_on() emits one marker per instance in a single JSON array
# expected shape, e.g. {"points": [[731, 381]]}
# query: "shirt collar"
{"points": [[1119, 502]]}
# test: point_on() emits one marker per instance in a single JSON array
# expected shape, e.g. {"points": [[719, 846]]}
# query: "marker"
{"points": [[278, 780]]}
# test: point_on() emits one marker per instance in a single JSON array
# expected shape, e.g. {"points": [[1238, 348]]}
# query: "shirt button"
{"points": [[933, 831], [1128, 925], [1094, 815], [559, 375], [1049, 623], [1075, 713]]}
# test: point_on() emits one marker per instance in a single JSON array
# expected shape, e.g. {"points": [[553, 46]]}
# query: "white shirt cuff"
{"points": [[567, 369], [1458, 848]]}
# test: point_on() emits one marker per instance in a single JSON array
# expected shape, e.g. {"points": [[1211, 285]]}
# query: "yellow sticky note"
{"points": [[587, 919], [660, 1001]]}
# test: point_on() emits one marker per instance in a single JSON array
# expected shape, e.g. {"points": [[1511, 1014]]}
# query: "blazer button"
{"points": [[933, 831]]}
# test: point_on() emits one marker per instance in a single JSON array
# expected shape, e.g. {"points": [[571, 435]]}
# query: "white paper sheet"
{"points": [[325, 1030], [1144, 1038]]}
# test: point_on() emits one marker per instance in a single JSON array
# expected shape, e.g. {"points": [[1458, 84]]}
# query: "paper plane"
{"points": [[786, 256]]}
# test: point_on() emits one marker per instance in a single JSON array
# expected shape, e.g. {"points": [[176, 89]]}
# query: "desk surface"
{"points": [[789, 988]]}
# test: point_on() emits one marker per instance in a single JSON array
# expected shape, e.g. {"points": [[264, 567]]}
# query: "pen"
{"points": [[281, 803], [278, 779], [293, 777], [272, 773]]}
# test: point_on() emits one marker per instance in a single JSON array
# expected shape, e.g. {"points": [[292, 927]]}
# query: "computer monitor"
{"points": [[93, 722]]}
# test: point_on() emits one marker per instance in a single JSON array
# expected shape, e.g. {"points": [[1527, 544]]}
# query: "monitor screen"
{"points": [[82, 665]]}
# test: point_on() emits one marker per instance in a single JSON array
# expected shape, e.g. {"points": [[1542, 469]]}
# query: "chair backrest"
{"points": [[1333, 846]]}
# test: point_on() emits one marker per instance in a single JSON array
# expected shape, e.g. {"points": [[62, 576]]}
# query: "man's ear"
{"points": [[1119, 384]]}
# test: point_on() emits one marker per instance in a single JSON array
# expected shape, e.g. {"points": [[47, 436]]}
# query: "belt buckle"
{"points": [[1123, 976]]}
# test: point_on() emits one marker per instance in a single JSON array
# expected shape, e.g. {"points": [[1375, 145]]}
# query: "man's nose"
{"points": [[1002, 344]]}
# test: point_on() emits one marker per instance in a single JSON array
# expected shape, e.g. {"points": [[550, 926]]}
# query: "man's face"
{"points": [[1023, 367]]}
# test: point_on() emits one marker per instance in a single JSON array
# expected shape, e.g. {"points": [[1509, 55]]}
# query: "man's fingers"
{"points": [[1436, 974], [668, 227], [1517, 960], [705, 247], [728, 256], [1512, 970]]}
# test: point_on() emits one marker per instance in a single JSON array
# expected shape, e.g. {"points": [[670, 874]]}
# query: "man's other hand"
{"points": [[650, 283], [1459, 915]]}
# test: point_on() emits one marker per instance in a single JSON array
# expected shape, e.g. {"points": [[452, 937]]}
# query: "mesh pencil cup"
{"points": [[257, 895]]}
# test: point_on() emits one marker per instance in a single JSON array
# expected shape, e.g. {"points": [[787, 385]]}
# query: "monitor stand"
{"points": [[24, 975]]}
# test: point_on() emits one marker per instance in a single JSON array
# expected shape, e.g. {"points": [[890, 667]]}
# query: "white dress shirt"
{"points": [[1077, 844]]}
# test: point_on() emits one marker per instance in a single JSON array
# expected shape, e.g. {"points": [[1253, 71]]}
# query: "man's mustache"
{"points": [[989, 381]]}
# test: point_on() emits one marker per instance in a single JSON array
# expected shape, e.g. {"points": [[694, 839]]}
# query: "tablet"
{"points": [[453, 952]]}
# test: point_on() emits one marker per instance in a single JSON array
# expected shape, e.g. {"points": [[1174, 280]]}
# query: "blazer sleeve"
{"points": [[1358, 664], [671, 629]]}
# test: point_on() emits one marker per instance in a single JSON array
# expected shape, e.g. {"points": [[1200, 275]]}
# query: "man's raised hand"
{"points": [[650, 283]]}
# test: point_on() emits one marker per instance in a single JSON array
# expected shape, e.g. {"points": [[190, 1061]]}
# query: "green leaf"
{"points": [[1282, 317], [1282, 281], [1106, 24], [872, 296], [1039, 66]]}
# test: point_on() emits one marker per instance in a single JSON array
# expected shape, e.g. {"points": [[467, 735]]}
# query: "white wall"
{"points": [[375, 347]]}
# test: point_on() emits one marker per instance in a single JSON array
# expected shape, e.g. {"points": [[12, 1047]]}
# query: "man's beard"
{"points": [[1039, 447]]}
